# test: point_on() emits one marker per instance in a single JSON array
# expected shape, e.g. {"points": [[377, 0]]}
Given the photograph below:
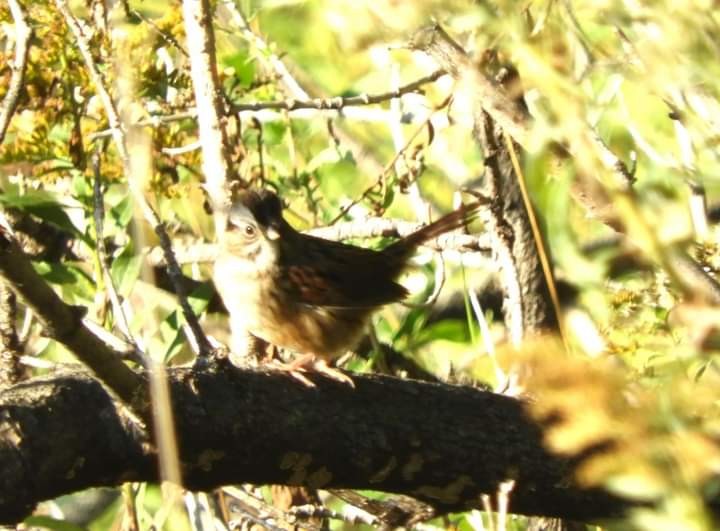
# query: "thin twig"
{"points": [[260, 149], [173, 152], [357, 114], [118, 136], [176, 278], [338, 103], [83, 44], [291, 85], [154, 120], [164, 35], [390, 165], [98, 218], [378, 227], [22, 37], [275, 63], [325, 106]]}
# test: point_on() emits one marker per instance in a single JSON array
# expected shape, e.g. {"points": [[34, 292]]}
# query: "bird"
{"points": [[307, 294]]}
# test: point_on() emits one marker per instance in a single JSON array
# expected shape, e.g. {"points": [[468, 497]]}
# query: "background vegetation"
{"points": [[640, 368]]}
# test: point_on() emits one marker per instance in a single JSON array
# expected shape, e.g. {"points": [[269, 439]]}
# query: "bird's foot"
{"points": [[321, 366], [306, 363], [296, 368]]}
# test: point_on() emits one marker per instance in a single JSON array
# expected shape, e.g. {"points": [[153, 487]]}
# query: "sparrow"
{"points": [[308, 294]]}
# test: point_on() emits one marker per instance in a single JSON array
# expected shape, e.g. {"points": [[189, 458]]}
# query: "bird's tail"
{"points": [[454, 220]]}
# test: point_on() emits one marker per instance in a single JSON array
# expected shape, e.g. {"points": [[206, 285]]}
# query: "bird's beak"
{"points": [[272, 232]]}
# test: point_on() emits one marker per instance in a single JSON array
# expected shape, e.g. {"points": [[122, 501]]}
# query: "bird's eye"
{"points": [[249, 231]]}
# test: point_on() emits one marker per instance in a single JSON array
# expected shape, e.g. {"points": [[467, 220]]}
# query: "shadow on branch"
{"points": [[442, 444]]}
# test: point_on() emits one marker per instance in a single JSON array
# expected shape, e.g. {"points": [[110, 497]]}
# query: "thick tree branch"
{"points": [[442, 444], [10, 347], [64, 323], [528, 303]]}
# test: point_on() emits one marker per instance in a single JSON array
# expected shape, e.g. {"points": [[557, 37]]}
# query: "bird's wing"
{"points": [[333, 274]]}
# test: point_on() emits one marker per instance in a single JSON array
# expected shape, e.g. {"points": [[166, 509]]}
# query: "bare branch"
{"points": [[176, 277], [98, 219], [452, 58], [340, 102], [83, 45], [64, 324], [309, 109], [373, 227], [203, 70], [293, 87], [164, 35], [22, 37]]}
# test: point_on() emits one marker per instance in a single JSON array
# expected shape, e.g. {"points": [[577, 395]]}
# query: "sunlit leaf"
{"points": [[242, 66], [198, 300], [125, 271], [122, 213], [48, 522], [76, 286], [42, 204]]}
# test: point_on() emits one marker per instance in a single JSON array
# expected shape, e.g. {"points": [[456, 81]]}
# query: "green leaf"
{"points": [[76, 286], [389, 197], [42, 205], [341, 178], [82, 187], [414, 320], [48, 522], [447, 329], [198, 301], [171, 327], [243, 66], [125, 271], [273, 133], [122, 213], [200, 298]]}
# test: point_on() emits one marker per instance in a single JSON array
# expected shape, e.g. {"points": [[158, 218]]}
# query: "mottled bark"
{"points": [[497, 109], [442, 444]]}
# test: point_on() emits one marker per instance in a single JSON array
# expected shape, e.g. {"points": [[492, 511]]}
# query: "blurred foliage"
{"points": [[641, 380]]}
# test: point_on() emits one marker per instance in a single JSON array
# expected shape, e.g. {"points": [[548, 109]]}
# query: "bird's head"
{"points": [[254, 229]]}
